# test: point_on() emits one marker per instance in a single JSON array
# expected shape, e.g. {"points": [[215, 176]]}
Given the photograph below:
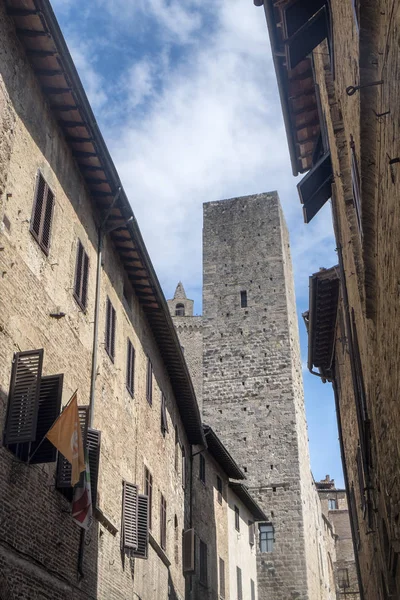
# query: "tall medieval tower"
{"points": [[252, 393]]}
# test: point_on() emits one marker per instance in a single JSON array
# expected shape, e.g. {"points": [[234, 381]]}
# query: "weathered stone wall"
{"points": [[252, 390], [38, 541], [190, 334]]}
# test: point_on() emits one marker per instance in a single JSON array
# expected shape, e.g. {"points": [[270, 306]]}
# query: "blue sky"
{"points": [[186, 97]]}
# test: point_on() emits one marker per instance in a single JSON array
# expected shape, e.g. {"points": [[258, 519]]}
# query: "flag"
{"points": [[66, 436], [82, 501]]}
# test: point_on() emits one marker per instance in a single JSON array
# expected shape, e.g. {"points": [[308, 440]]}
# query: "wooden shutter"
{"points": [[306, 25], [42, 213], [221, 578], [49, 409], [251, 533], [188, 551], [81, 276], [253, 589], [164, 421], [129, 527], [203, 563], [356, 184], [130, 368], [47, 219], [23, 399], [149, 382], [239, 583], [110, 330], [148, 489], [38, 206], [143, 527], [64, 468], [93, 448], [316, 187], [163, 523]]}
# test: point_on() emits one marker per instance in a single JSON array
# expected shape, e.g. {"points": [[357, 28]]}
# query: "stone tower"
{"points": [[252, 384]]}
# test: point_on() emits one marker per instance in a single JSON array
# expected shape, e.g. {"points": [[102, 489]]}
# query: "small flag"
{"points": [[65, 435], [82, 501]]}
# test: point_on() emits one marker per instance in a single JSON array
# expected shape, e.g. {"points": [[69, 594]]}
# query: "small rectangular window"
{"points": [[221, 579], [81, 276], [202, 468], [164, 420], [149, 382], [163, 523], [148, 490], [130, 368], [219, 489], [237, 518], [332, 504], [243, 299], [239, 583], [110, 330], [266, 531], [203, 562], [253, 589], [42, 214]]}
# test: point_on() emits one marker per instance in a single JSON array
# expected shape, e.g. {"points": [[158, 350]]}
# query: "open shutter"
{"points": [[38, 207], [93, 447], [78, 272], [251, 533], [129, 528], [143, 527], [164, 422], [64, 468], [23, 399], [85, 277], [48, 214], [239, 583], [188, 551], [316, 187], [306, 25], [49, 409]]}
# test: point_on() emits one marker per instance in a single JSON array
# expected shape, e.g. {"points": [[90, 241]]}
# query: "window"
{"points": [[176, 449], [253, 589], [149, 382], [266, 531], [202, 468], [179, 310], [343, 578], [251, 533], [239, 583], [203, 562], [164, 421], [130, 368], [163, 523], [243, 299], [148, 490], [81, 276], [183, 467], [219, 489], [237, 518], [176, 540], [355, 178], [42, 214], [221, 579], [332, 504], [110, 330]]}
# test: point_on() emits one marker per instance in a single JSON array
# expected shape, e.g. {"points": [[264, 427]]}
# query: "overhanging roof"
{"points": [[221, 454], [46, 49], [243, 493], [322, 317]]}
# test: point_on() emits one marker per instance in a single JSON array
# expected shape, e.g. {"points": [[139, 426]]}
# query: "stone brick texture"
{"points": [[366, 52], [38, 540]]}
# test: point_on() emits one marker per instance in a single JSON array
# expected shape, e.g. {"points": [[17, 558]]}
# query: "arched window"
{"points": [[179, 310]]}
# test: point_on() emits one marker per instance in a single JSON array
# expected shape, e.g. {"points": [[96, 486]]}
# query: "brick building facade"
{"points": [[338, 73]]}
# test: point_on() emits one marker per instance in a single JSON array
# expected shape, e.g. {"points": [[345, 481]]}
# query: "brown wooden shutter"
{"points": [[188, 551], [23, 399], [149, 382], [38, 207], [143, 527], [148, 489], [306, 25], [110, 330], [78, 272], [129, 526], [164, 421], [49, 409], [42, 213], [130, 368], [163, 523], [64, 469], [251, 533], [85, 277], [93, 447], [47, 218]]}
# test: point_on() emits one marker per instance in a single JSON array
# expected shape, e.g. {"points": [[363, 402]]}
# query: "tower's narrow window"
{"points": [[179, 310], [243, 299]]}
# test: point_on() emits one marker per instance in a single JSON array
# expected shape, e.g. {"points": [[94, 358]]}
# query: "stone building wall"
{"points": [[252, 393], [38, 541]]}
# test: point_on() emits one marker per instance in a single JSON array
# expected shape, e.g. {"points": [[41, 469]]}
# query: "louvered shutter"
{"points": [[47, 218], [23, 400], [316, 187], [93, 447], [85, 277], [38, 207], [112, 346], [64, 468], [306, 25], [129, 528], [143, 527], [108, 323], [188, 551], [164, 422], [49, 409], [78, 272]]}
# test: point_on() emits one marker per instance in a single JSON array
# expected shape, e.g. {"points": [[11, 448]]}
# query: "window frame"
{"points": [[239, 583], [269, 538], [332, 504], [237, 517], [47, 205], [243, 299], [179, 310]]}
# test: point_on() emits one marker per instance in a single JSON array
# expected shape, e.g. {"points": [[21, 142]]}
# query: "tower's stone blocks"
{"points": [[252, 386]]}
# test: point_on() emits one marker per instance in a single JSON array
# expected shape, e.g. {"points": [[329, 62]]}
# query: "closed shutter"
{"points": [[203, 563], [163, 523], [49, 409], [130, 368], [42, 214], [148, 490], [64, 469], [253, 589], [221, 579], [251, 533], [143, 527], [306, 25], [93, 448], [149, 382], [188, 551], [239, 583], [316, 187], [81, 276], [164, 422], [110, 330], [23, 400], [129, 527]]}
